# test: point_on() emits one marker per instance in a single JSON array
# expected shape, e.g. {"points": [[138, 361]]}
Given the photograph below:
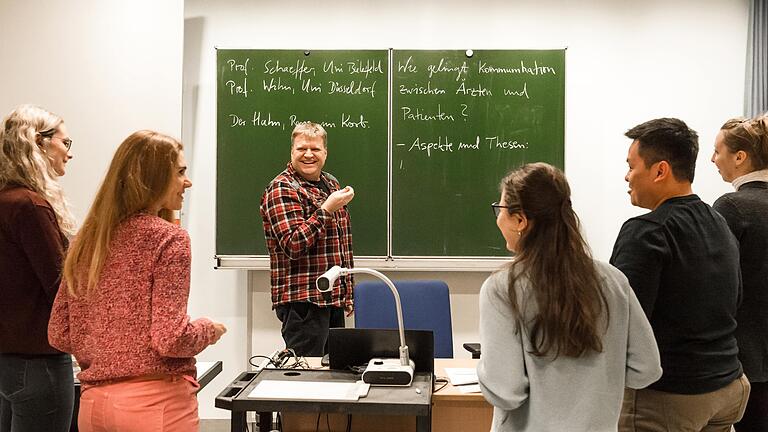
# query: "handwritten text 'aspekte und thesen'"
{"points": [[445, 144]]}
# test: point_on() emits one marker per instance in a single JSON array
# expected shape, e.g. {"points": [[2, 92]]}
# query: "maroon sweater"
{"points": [[135, 321], [31, 252]]}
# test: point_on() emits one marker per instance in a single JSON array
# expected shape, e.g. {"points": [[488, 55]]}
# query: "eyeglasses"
{"points": [[66, 141], [496, 208]]}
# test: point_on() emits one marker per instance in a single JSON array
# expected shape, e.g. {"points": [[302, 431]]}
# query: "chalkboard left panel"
{"points": [[262, 94]]}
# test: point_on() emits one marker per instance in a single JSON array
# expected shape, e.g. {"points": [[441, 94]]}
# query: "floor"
{"points": [[214, 425]]}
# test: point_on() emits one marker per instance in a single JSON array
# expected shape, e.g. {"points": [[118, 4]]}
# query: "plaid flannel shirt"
{"points": [[304, 240]]}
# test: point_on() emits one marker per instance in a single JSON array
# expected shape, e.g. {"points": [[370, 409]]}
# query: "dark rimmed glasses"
{"points": [[496, 208]]}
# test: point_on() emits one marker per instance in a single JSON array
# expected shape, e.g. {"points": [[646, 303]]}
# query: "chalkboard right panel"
{"points": [[459, 124]]}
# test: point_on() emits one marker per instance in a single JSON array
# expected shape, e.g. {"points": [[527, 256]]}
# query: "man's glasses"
{"points": [[66, 141], [496, 208]]}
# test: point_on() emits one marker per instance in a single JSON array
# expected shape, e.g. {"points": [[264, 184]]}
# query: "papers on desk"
{"points": [[464, 379], [310, 390], [469, 388], [461, 376]]}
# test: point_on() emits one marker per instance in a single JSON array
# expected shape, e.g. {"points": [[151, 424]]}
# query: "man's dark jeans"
{"points": [[305, 326]]}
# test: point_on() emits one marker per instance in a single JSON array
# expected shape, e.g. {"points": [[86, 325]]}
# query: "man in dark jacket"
{"points": [[683, 264]]}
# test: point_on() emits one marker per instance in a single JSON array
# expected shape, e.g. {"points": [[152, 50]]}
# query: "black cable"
{"points": [[250, 360], [328, 422], [282, 357], [317, 424], [357, 369], [349, 422], [440, 380], [293, 353], [298, 363]]}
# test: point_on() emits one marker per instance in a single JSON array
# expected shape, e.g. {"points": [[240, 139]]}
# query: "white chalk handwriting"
{"points": [[238, 89], [442, 67], [297, 71], [234, 66], [418, 114], [352, 88]]}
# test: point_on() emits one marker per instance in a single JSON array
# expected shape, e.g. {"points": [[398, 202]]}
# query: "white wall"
{"points": [[626, 62], [108, 68], [112, 67]]}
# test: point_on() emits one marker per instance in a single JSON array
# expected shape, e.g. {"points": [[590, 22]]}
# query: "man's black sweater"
{"points": [[682, 261]]}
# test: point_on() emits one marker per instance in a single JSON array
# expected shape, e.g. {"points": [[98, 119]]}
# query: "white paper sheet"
{"points": [[461, 376], [469, 388], [309, 390]]}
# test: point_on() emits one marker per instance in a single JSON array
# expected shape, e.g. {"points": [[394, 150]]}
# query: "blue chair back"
{"points": [[426, 306]]}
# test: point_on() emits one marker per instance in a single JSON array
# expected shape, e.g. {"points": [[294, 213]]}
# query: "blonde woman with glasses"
{"points": [[36, 388], [741, 157]]}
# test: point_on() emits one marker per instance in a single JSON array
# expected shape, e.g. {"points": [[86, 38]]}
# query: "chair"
{"points": [[473, 348], [426, 306]]}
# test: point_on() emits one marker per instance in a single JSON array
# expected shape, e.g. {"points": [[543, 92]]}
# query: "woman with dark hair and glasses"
{"points": [[562, 334], [741, 157], [36, 388]]}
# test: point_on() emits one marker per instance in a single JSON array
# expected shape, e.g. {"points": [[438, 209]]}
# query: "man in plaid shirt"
{"points": [[307, 228]]}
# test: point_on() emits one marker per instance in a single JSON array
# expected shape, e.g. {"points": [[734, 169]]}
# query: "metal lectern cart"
{"points": [[415, 400]]}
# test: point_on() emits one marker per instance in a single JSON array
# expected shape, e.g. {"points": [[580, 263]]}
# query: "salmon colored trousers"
{"points": [[166, 404]]}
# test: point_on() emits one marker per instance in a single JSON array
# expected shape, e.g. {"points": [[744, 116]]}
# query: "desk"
{"points": [[206, 371], [387, 401], [451, 410]]}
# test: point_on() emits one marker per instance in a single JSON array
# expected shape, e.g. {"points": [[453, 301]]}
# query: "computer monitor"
{"points": [[349, 347]]}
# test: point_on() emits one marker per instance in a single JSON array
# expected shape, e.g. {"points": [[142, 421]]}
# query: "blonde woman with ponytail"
{"points": [[122, 306], [36, 388], [741, 157]]}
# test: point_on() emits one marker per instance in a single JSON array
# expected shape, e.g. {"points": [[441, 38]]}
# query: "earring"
{"points": [[519, 233]]}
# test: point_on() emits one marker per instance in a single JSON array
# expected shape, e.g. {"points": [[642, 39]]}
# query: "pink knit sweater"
{"points": [[135, 322]]}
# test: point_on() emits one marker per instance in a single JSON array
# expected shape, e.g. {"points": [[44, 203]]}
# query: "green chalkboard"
{"points": [[460, 123], [261, 94]]}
